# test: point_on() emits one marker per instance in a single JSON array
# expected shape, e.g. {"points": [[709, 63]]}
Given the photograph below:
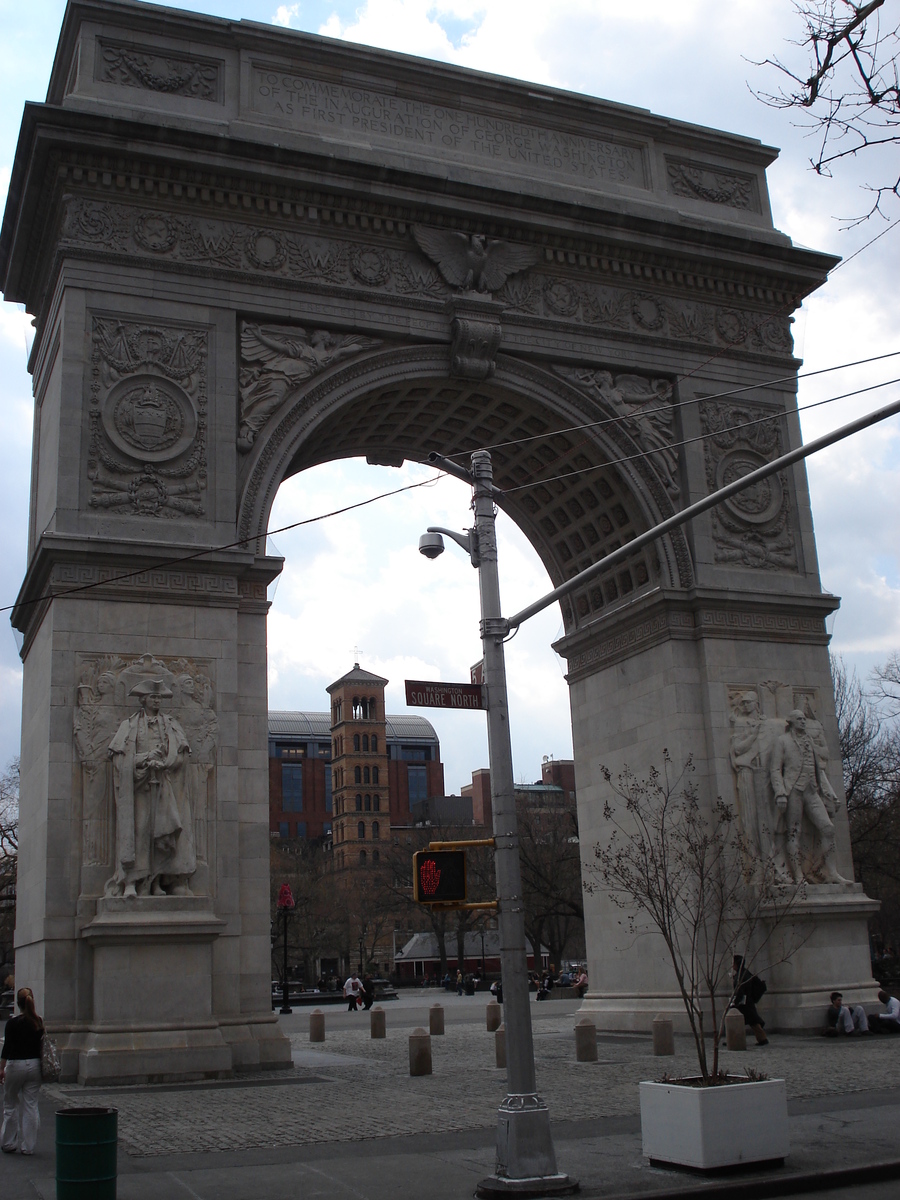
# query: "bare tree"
{"points": [[847, 89], [693, 877], [9, 849], [870, 753], [551, 874], [315, 925]]}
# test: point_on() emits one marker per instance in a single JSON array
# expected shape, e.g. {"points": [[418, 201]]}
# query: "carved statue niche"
{"points": [[145, 774], [785, 799], [277, 360]]}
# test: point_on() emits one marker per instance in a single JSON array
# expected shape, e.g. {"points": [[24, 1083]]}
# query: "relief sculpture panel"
{"points": [[753, 528], [145, 737], [148, 402], [276, 360], [786, 803]]}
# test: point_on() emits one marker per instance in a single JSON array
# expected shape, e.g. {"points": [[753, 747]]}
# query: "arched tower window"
{"points": [[362, 858], [374, 774], [358, 803], [361, 831], [356, 742], [376, 857], [365, 741], [374, 743], [366, 775], [376, 830], [376, 803], [357, 775], [368, 803]]}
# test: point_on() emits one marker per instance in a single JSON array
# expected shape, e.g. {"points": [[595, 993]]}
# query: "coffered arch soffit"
{"points": [[400, 404]]}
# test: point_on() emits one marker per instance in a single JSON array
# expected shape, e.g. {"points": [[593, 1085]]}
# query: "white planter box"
{"points": [[714, 1127]]}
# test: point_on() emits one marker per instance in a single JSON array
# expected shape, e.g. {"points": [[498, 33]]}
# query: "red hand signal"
{"points": [[429, 876]]}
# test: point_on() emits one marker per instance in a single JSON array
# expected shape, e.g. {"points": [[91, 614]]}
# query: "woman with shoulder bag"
{"points": [[20, 1074]]}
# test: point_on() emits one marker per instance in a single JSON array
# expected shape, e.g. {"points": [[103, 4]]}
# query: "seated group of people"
{"points": [[843, 1019]]}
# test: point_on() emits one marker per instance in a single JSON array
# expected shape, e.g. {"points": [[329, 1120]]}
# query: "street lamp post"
{"points": [[526, 1161], [285, 903]]}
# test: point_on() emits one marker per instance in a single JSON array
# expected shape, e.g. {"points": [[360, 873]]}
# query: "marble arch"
{"points": [[247, 250]]}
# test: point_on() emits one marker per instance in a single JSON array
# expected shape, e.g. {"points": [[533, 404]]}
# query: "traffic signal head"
{"points": [[439, 876]]}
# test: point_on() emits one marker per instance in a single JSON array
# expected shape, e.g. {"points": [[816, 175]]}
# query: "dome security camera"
{"points": [[431, 545]]}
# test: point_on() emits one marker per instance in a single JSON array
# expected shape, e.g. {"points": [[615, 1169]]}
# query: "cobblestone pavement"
{"points": [[352, 1088]]}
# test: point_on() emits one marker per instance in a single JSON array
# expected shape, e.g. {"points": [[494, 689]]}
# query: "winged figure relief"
{"points": [[275, 361], [472, 262]]}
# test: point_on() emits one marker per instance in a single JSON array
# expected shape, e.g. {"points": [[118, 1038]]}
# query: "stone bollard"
{"points": [[663, 1035], [317, 1025], [420, 1052], [500, 1045], [377, 1022], [585, 1041], [735, 1030], [492, 1014], [435, 1020]]}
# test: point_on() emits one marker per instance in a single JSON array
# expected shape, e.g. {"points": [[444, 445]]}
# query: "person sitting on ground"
{"points": [[840, 1019], [889, 1020], [749, 989], [581, 984]]}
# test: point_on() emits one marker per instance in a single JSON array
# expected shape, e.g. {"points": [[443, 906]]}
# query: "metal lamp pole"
{"points": [[526, 1162], [285, 903]]}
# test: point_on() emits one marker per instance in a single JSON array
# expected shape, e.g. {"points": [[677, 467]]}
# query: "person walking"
{"points": [[459, 983], [20, 1074], [748, 991]]}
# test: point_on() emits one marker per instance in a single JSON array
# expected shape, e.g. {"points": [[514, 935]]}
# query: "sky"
{"points": [[385, 606]]}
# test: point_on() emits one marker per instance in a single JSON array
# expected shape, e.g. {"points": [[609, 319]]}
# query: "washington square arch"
{"points": [[249, 251]]}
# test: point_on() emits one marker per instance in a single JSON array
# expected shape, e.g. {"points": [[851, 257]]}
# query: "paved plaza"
{"points": [[348, 1121]]}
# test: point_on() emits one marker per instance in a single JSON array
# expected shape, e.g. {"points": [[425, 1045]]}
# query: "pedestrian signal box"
{"points": [[439, 876]]}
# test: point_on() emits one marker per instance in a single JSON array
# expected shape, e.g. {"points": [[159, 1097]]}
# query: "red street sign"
{"points": [[476, 673], [285, 896], [421, 694]]}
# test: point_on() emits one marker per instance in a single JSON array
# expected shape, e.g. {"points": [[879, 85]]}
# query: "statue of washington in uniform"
{"points": [[154, 828]]}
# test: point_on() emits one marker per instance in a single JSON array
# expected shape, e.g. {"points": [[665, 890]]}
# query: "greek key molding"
{"points": [[165, 583]]}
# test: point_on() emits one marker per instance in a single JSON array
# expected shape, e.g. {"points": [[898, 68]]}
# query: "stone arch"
{"points": [[603, 486]]}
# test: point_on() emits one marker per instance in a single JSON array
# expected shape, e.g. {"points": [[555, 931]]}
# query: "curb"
{"points": [[768, 1186]]}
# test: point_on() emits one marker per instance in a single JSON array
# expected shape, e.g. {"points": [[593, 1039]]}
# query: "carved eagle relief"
{"points": [[472, 262]]}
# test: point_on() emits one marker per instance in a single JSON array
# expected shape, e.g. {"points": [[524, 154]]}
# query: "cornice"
{"points": [[113, 157]]}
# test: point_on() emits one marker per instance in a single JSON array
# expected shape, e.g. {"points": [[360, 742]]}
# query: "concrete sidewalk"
{"points": [[349, 1122]]}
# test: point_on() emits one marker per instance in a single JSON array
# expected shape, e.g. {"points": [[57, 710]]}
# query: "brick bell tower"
{"points": [[359, 768]]}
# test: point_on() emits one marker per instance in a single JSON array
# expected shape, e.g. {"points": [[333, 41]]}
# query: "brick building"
{"points": [[355, 767]]}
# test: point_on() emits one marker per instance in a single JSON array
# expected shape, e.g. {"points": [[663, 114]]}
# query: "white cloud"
{"points": [[287, 14]]}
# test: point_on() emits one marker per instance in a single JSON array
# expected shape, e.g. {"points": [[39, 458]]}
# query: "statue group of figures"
{"points": [[145, 771], [785, 799]]}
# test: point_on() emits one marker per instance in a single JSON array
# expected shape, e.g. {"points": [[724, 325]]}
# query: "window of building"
{"points": [[365, 741], [358, 803], [376, 803], [292, 787], [357, 774], [367, 777], [336, 710], [356, 742], [328, 792], [323, 750], [376, 857], [418, 784], [412, 753], [301, 829], [368, 803], [374, 744], [361, 831], [362, 858], [374, 774], [376, 830], [284, 829]]}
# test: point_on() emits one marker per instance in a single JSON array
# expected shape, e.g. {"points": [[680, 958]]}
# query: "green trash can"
{"points": [[86, 1140]]}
